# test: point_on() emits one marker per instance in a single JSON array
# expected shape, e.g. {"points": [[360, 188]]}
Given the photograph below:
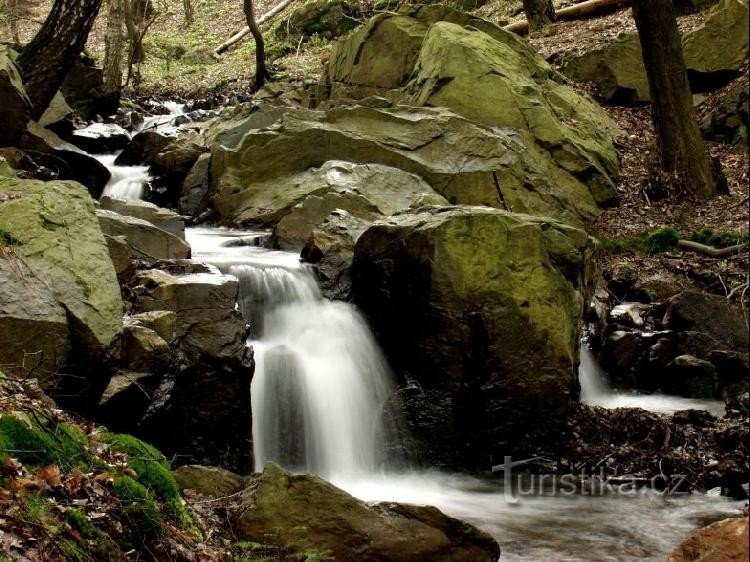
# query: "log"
{"points": [[245, 30], [710, 250], [582, 11]]}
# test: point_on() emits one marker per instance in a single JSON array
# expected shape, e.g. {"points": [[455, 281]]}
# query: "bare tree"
{"points": [[682, 153], [538, 13], [261, 72], [114, 45], [47, 58]]}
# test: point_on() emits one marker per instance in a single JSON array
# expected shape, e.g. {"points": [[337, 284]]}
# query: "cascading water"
{"points": [[317, 397], [127, 182], [320, 383], [596, 391]]}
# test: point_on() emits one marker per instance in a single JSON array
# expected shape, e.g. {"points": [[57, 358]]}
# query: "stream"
{"points": [[318, 396], [321, 417]]}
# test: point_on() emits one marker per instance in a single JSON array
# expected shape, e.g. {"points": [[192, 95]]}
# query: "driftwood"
{"points": [[710, 250], [246, 30], [582, 11]]}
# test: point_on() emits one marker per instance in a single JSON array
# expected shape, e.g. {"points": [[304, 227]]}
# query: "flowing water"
{"points": [[318, 395], [596, 391], [127, 182]]}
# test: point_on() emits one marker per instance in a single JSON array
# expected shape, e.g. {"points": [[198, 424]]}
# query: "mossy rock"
{"points": [[41, 443]]}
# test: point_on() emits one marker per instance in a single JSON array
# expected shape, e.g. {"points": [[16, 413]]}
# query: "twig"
{"points": [[710, 250]]}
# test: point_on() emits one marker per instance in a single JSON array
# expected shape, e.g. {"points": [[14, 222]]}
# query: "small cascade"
{"points": [[127, 182], [321, 384], [596, 391]]}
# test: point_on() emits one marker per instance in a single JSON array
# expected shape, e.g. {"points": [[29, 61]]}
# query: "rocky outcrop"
{"points": [[14, 103], [721, 541], [53, 237], [145, 240], [269, 170], [437, 57], [713, 53], [693, 345], [198, 407], [165, 219], [306, 512], [480, 312], [729, 121]]}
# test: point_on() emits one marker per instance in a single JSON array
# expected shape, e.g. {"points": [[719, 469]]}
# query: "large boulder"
{"points": [[500, 84], [325, 18], [163, 218], [270, 169], [66, 161], [307, 513], [728, 122], [56, 235], [724, 540], [33, 325], [146, 240], [481, 310], [437, 57], [14, 103], [194, 194], [713, 53], [366, 191]]}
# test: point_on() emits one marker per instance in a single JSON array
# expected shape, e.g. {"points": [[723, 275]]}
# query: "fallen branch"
{"points": [[582, 11], [710, 250], [245, 30]]}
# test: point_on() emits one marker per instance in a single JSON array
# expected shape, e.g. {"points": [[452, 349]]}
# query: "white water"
{"points": [[316, 393], [320, 381], [127, 182], [160, 121], [596, 391]]}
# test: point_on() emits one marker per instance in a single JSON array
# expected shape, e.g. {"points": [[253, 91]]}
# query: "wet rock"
{"points": [[331, 248], [146, 240], [14, 103], [691, 377], [172, 165], [712, 315], [621, 351], [52, 229], [100, 138], [66, 161], [163, 218], [460, 304], [206, 324], [723, 540], [143, 148], [732, 366], [208, 480], [309, 513]]}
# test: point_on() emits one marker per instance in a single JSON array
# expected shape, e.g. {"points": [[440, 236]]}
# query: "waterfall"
{"points": [[596, 391], [321, 384], [127, 182]]}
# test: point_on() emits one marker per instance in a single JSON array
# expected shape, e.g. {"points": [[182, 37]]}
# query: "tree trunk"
{"points": [[48, 57], [113, 48], [278, 8], [682, 153], [189, 13], [538, 13], [261, 73]]}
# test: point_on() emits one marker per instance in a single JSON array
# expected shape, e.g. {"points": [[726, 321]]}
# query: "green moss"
{"points": [[7, 239], [722, 239], [140, 512], [662, 240], [40, 442], [153, 472]]}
